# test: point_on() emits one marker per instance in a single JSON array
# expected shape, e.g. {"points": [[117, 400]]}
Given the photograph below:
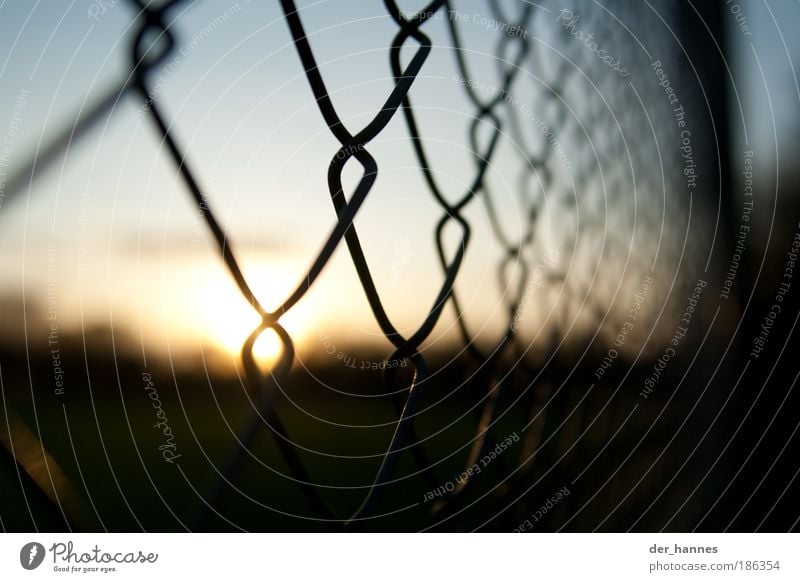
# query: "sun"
{"points": [[224, 318]]}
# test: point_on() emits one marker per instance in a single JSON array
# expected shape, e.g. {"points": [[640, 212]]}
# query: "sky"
{"points": [[111, 227]]}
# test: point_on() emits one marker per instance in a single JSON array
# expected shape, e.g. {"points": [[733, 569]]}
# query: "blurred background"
{"points": [[645, 158]]}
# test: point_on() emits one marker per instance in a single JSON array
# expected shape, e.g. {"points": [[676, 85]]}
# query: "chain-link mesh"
{"points": [[504, 371]]}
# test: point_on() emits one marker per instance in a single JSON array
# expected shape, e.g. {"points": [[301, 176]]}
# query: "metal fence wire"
{"points": [[353, 145], [498, 368]]}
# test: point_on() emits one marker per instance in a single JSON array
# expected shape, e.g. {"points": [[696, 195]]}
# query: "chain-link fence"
{"points": [[588, 120]]}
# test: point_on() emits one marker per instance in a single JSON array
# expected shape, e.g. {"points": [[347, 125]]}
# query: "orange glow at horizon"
{"points": [[215, 313]]}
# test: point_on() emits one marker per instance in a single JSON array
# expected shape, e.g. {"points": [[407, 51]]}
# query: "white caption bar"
{"points": [[401, 557]]}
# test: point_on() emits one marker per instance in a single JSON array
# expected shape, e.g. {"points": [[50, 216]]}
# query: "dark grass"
{"points": [[640, 479]]}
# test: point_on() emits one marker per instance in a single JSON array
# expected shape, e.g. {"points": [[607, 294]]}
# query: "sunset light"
{"points": [[218, 316]]}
